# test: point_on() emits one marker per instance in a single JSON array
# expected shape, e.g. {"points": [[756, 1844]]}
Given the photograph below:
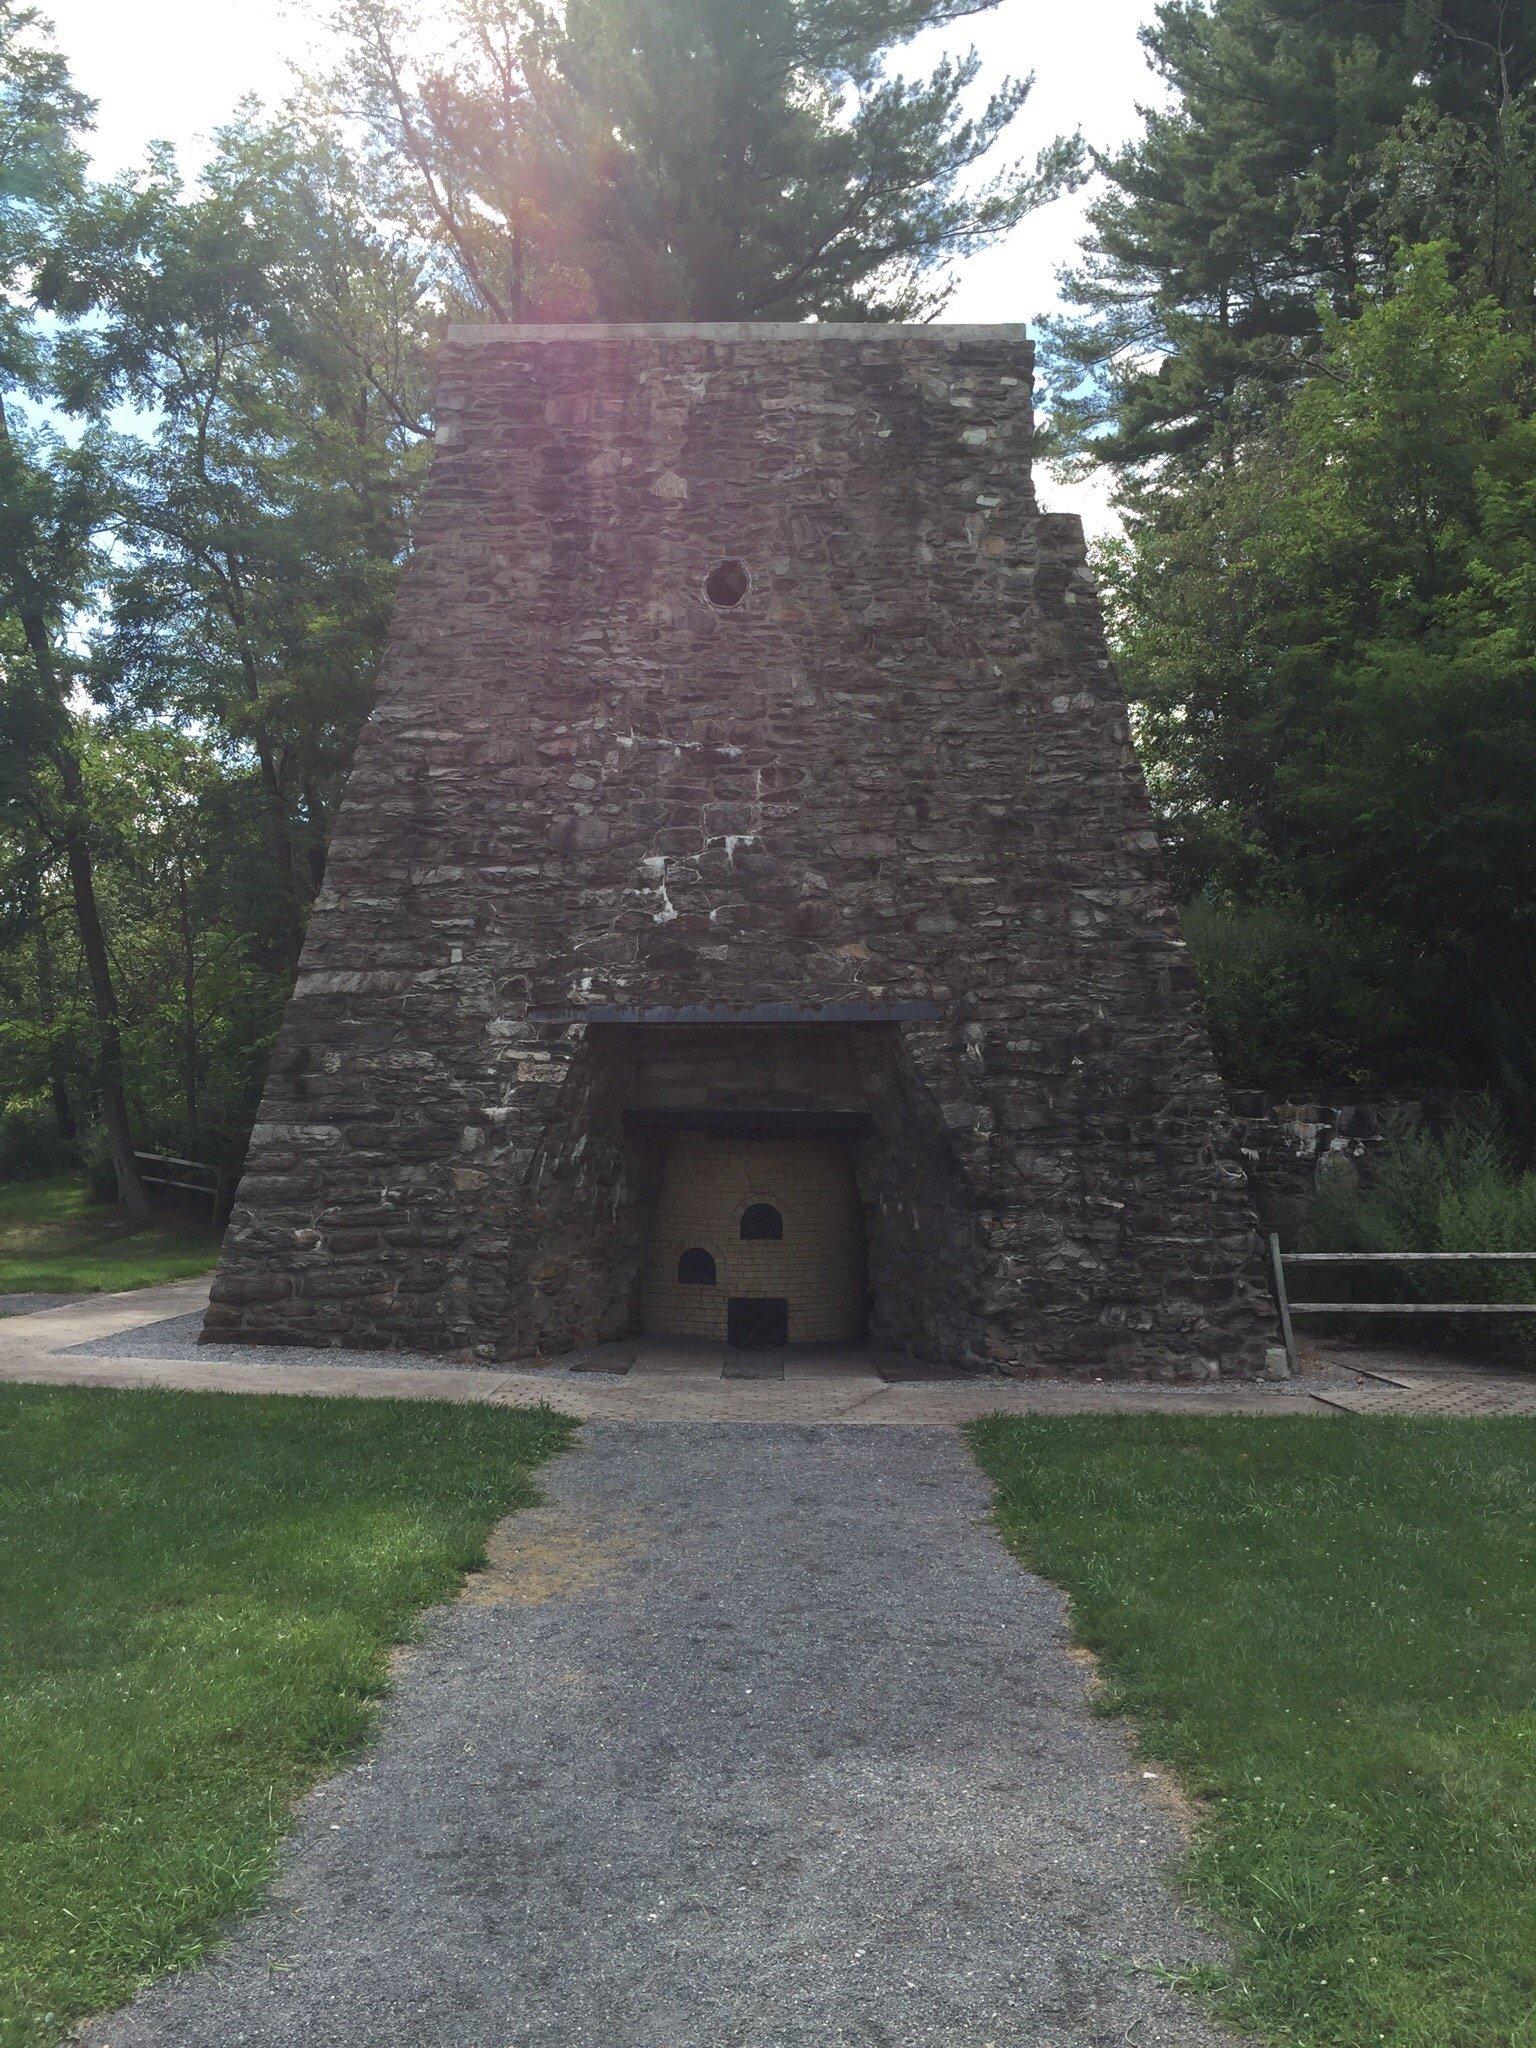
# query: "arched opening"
{"points": [[696, 1268], [762, 1221]]}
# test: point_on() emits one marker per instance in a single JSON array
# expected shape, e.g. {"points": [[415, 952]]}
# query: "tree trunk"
{"points": [[282, 851], [271, 776], [131, 1194], [108, 1063], [316, 850], [188, 1003], [58, 1080]]}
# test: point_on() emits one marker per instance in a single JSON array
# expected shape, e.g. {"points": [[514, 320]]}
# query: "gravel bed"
{"points": [[32, 1304], [175, 1337]]}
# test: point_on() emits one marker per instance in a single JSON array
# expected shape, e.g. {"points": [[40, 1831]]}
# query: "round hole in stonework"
{"points": [[760, 1220], [727, 584], [696, 1268]]}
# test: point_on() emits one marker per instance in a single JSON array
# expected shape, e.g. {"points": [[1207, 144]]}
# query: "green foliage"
{"points": [[1415, 1174], [185, 883], [1298, 999], [211, 432], [1460, 1190], [276, 340], [41, 167], [57, 498], [1328, 1630], [201, 1593], [699, 160], [31, 1143], [1302, 145], [1398, 572], [1302, 340], [1472, 188], [1332, 646]]}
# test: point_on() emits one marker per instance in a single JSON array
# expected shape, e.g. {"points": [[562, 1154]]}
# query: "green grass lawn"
{"points": [[54, 1239], [1329, 1631], [197, 1598]]}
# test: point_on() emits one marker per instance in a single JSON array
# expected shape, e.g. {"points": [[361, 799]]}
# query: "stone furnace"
{"points": [[745, 919]]}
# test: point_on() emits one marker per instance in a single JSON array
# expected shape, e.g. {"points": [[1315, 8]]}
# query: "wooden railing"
{"points": [[213, 1184], [1280, 1261]]}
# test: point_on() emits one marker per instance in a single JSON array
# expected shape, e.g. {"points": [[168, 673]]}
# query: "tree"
{"points": [[1301, 145], [183, 884], [1398, 574], [1320, 495], [1333, 645], [213, 415], [692, 160], [54, 501], [273, 344]]}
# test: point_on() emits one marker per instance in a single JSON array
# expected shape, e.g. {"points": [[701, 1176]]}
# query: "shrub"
{"points": [[1293, 998], [1458, 1191], [96, 1159], [31, 1143]]}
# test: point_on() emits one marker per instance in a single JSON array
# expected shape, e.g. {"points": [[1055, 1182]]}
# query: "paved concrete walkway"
{"points": [[750, 1738], [149, 1338]]}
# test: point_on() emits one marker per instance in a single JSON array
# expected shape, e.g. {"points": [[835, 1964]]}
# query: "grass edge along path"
{"points": [[198, 1597], [1329, 1634]]}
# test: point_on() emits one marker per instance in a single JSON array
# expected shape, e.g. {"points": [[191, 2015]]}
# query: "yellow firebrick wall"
{"points": [[818, 1266]]}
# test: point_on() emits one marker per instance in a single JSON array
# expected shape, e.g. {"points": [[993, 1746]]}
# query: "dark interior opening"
{"points": [[754, 1322], [696, 1268], [727, 584], [762, 1220]]}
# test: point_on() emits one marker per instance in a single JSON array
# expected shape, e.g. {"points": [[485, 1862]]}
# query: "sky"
{"points": [[172, 70]]}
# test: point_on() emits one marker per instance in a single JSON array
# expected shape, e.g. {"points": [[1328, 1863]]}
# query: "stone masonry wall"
{"points": [[897, 773], [1290, 1144]]}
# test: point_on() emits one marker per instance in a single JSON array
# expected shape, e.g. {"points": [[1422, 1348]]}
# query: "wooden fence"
{"points": [[164, 1170], [1281, 1261]]}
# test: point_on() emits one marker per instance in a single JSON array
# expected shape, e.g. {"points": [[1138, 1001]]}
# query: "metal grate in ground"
{"points": [[1469, 1395]]}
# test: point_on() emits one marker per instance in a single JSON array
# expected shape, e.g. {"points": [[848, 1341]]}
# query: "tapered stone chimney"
{"points": [[745, 917]]}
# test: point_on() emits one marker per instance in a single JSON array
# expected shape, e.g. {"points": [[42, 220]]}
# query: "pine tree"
{"points": [[1332, 645], [1302, 145], [688, 159]]}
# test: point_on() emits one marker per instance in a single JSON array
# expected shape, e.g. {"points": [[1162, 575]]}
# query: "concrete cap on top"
{"points": [[938, 332]]}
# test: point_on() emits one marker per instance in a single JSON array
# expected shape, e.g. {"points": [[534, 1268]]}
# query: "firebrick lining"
{"points": [[719, 1197]]}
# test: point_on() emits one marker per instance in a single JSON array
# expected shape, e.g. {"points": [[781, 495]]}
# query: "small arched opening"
{"points": [[696, 1268]]}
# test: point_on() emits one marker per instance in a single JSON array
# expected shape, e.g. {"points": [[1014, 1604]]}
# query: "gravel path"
{"points": [[750, 1738], [32, 1304], [178, 1337]]}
